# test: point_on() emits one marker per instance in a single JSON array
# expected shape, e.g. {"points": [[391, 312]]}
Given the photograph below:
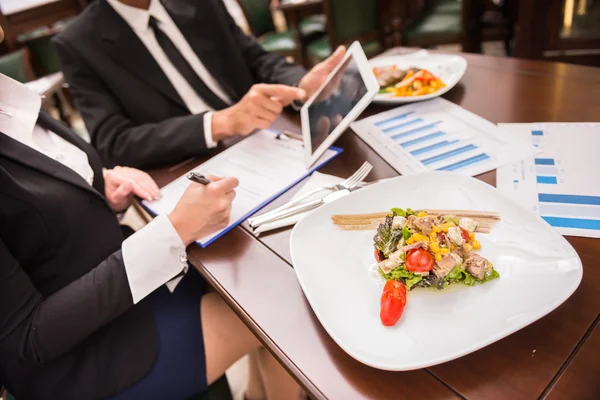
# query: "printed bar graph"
{"points": [[544, 161], [424, 136], [560, 183], [449, 154], [548, 180], [422, 139], [393, 119], [433, 147], [464, 163], [413, 131], [402, 125]]}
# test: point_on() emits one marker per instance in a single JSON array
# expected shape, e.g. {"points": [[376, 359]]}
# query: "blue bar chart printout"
{"points": [[561, 184], [438, 135]]}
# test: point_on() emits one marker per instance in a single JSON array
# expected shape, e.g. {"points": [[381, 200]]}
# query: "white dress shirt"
{"points": [[155, 254], [138, 20]]}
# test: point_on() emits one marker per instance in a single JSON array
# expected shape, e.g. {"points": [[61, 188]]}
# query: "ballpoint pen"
{"points": [[198, 178]]}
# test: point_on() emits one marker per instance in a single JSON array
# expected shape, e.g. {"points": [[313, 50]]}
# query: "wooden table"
{"points": [[555, 357]]}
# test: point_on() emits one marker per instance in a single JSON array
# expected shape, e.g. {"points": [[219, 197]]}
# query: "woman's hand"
{"points": [[203, 210], [121, 183]]}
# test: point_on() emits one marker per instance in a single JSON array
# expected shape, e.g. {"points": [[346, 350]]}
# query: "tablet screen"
{"points": [[345, 89]]}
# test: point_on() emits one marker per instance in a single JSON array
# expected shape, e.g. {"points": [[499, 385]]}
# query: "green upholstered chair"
{"points": [[439, 23], [259, 17], [42, 51], [313, 27], [17, 65], [348, 20]]}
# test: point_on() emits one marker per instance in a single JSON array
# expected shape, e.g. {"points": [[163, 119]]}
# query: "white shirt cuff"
{"points": [[154, 256], [208, 137]]}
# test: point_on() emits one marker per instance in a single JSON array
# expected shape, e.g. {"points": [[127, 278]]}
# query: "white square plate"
{"points": [[538, 270]]}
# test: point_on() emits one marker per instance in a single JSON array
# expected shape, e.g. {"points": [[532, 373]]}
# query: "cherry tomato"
{"points": [[419, 260], [379, 257], [392, 303], [391, 284], [465, 235]]}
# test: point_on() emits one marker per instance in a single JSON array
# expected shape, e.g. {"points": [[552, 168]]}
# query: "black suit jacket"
{"points": [[134, 114], [68, 327]]}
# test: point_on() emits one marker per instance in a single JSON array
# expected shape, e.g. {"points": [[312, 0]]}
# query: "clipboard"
{"points": [[292, 157]]}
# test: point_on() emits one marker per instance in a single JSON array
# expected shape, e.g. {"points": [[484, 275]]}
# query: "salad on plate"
{"points": [[415, 249]]}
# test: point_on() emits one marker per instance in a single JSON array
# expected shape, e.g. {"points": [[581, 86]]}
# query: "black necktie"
{"points": [[185, 69]]}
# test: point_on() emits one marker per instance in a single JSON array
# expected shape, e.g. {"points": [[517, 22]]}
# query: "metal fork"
{"points": [[349, 183]]}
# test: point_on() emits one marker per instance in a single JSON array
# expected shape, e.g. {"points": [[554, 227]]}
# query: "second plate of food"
{"points": [[416, 76], [496, 268]]}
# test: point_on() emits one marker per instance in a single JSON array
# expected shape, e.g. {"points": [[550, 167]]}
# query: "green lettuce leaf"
{"points": [[400, 273], [398, 212], [458, 274], [387, 238], [406, 233]]}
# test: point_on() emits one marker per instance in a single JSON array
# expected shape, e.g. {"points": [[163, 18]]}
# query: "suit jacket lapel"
{"points": [[46, 121], [32, 158], [126, 48]]}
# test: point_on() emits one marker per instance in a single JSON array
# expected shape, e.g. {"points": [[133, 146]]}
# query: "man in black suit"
{"points": [[160, 82]]}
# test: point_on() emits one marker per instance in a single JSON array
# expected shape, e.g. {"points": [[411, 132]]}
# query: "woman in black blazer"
{"points": [[84, 312]]}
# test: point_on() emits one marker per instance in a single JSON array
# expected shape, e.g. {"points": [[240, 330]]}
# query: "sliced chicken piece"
{"points": [[388, 265], [399, 222], [455, 236], [411, 221], [477, 266], [390, 77], [424, 224], [468, 224], [445, 265], [410, 247]]}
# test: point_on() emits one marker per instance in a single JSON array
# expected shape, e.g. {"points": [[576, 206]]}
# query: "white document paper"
{"points": [[264, 165], [438, 135], [562, 183]]}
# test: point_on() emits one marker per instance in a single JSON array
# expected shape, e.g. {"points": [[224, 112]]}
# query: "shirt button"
{"points": [[183, 258], [59, 156]]}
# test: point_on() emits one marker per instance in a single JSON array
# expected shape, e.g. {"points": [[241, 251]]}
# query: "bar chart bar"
{"points": [[393, 119], [578, 223], [413, 131], [544, 161], [464, 163], [433, 147], [569, 199], [422, 139], [537, 133], [402, 125], [547, 180], [449, 154]]}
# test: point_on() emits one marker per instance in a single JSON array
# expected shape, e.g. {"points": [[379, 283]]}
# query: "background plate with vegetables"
{"points": [[446, 68], [337, 271]]}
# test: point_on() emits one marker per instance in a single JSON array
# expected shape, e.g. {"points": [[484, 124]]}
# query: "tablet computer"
{"points": [[347, 91]]}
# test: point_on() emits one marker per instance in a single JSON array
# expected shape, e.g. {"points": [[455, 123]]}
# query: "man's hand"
{"points": [[203, 210], [121, 183], [315, 78], [257, 110]]}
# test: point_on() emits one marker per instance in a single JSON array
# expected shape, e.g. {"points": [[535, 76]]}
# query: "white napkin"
{"points": [[316, 180]]}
